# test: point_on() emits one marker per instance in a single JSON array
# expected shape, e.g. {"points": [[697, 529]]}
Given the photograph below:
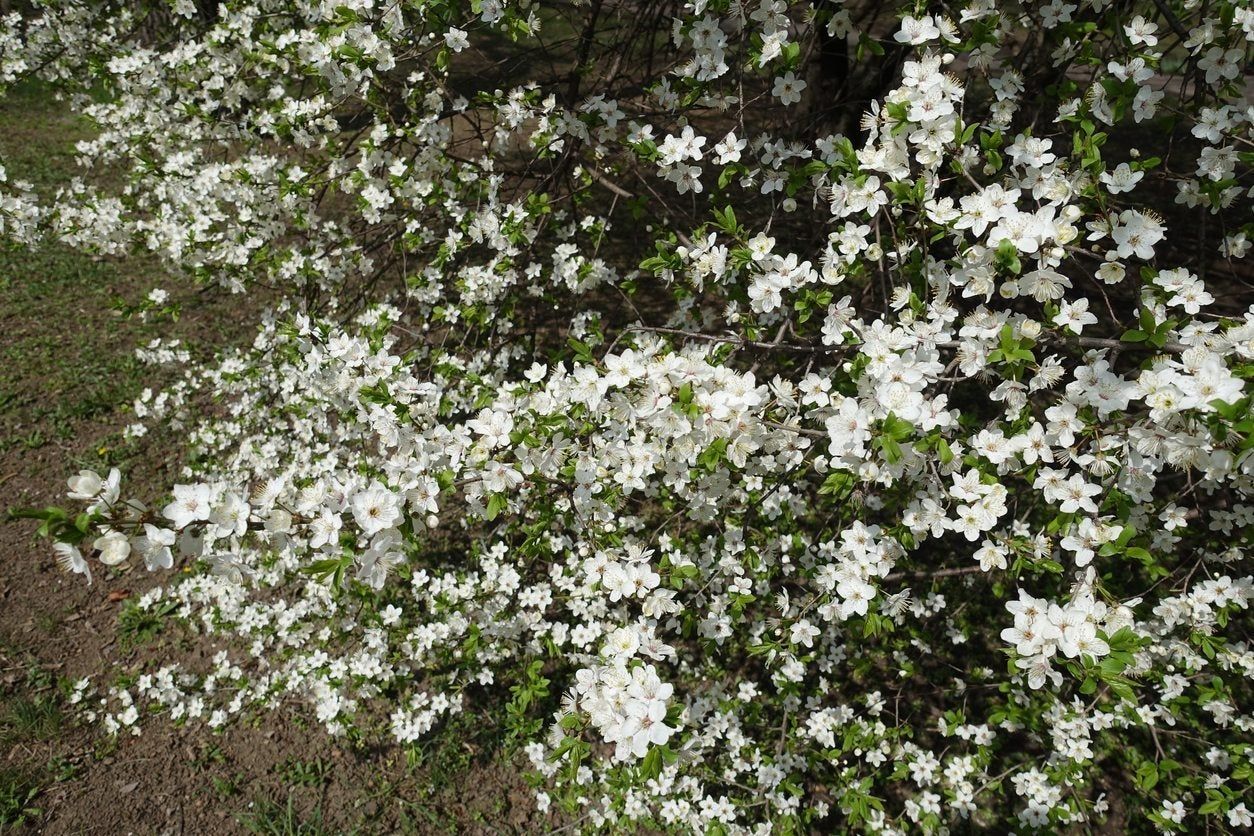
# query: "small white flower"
{"points": [[456, 39], [917, 30], [86, 485], [114, 547], [375, 509], [788, 88], [191, 504], [71, 560]]}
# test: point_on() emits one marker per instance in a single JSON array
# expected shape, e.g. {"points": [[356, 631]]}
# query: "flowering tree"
{"points": [[785, 415]]}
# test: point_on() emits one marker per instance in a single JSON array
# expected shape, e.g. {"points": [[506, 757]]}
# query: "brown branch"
{"points": [[1171, 19], [939, 573]]}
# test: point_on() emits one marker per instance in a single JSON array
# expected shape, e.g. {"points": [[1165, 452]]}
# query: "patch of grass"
{"points": [[417, 818], [210, 755], [33, 712], [433, 799], [48, 383], [18, 792], [269, 818], [51, 384], [49, 622], [227, 787], [39, 136], [62, 769], [466, 741], [30, 718], [300, 773], [138, 625], [67, 355]]}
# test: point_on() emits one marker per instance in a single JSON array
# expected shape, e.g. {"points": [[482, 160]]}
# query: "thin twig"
{"points": [[938, 573]]}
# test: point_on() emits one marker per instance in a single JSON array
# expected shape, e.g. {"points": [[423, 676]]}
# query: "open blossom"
{"points": [[155, 547], [384, 554], [788, 89], [1136, 233], [990, 556], [71, 560], [456, 40], [916, 31], [1240, 816], [1121, 179], [114, 547], [1220, 64], [1141, 31], [495, 427], [324, 529], [500, 477], [623, 642], [230, 516], [728, 149], [375, 508], [803, 632], [1075, 315], [192, 503], [678, 148], [86, 485], [629, 579]]}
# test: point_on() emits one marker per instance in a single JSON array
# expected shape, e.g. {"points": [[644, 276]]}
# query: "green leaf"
{"points": [[651, 764], [898, 428], [712, 456], [496, 504], [1215, 805], [838, 484], [329, 570], [582, 351]]}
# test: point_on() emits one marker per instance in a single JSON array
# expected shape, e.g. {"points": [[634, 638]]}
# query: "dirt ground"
{"points": [[67, 374]]}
